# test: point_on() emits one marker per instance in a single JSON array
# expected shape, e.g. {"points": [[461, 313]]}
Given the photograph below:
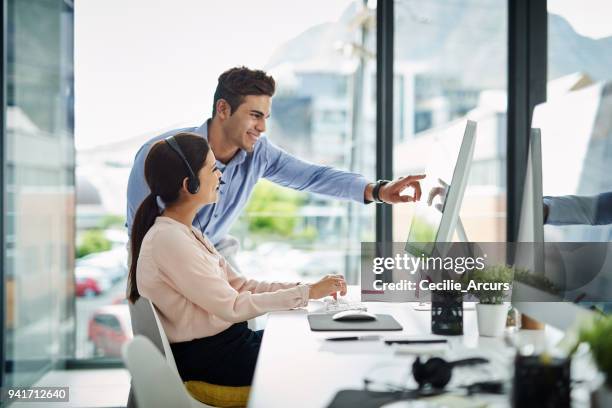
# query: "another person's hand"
{"points": [[442, 191], [390, 193], [328, 285]]}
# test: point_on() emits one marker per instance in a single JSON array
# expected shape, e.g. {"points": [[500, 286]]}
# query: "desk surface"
{"points": [[297, 368]]}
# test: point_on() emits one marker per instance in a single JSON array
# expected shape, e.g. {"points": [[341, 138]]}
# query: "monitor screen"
{"points": [[425, 223], [436, 215]]}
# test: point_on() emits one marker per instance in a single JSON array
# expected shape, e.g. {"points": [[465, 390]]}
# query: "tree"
{"points": [[273, 209], [92, 241]]}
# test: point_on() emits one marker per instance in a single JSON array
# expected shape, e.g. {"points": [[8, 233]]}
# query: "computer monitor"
{"points": [[436, 224], [531, 255], [433, 227]]}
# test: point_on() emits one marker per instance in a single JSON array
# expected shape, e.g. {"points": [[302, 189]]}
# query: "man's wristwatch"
{"points": [[376, 190]]}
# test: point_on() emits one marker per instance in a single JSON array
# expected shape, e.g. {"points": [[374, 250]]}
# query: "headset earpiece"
{"points": [[435, 372], [193, 185]]}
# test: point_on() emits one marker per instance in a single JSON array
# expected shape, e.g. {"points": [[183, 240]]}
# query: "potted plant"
{"points": [[490, 286], [536, 281], [598, 336]]}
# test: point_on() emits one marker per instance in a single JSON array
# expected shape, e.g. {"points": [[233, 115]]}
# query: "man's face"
{"points": [[244, 126]]}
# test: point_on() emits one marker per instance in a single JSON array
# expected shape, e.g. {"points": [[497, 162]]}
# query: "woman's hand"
{"points": [[328, 285]]}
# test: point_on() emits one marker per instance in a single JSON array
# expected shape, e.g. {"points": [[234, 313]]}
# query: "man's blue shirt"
{"points": [[586, 210], [241, 174]]}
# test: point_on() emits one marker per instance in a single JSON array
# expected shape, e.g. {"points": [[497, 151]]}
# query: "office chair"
{"points": [[218, 395], [164, 340], [154, 383], [144, 324]]}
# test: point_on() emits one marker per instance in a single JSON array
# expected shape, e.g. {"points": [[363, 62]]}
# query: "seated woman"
{"points": [[203, 302]]}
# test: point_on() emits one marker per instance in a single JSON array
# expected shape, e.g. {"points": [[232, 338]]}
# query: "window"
{"points": [[334, 127], [575, 121], [450, 66], [38, 189], [324, 67]]}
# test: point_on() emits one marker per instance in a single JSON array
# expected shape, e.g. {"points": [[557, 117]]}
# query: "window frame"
{"points": [[527, 77]]}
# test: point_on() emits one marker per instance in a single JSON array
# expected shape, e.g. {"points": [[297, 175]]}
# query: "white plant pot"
{"points": [[602, 397], [491, 319]]}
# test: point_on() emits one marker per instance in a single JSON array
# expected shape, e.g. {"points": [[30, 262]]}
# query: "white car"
{"points": [[102, 281], [113, 263]]}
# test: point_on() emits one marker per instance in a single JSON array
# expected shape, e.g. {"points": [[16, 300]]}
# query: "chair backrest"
{"points": [[143, 322], [164, 339], [154, 382]]}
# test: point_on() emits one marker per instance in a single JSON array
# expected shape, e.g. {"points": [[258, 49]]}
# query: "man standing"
{"points": [[242, 103]]}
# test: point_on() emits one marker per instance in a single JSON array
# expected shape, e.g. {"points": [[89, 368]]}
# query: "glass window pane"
{"points": [[39, 194], [450, 66], [323, 112], [319, 114], [576, 120]]}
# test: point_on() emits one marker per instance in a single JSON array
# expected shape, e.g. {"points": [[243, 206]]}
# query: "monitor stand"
{"points": [[426, 306]]}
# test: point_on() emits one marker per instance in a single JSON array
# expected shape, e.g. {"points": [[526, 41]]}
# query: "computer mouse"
{"points": [[353, 315]]}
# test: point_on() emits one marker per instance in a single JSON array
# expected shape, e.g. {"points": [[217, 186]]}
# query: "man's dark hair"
{"points": [[236, 83]]}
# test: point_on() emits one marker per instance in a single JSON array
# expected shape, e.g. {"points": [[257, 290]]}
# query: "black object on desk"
{"points": [[424, 341], [364, 399], [485, 387], [376, 399], [541, 382], [324, 322], [447, 312], [437, 372], [354, 338]]}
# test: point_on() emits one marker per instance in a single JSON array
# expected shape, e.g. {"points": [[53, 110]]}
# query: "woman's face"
{"points": [[209, 177]]}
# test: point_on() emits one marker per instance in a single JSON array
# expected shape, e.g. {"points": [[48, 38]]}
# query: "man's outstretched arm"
{"points": [[576, 210], [289, 171]]}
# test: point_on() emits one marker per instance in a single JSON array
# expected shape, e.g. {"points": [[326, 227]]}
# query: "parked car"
{"points": [[91, 281], [113, 262], [87, 287], [109, 327]]}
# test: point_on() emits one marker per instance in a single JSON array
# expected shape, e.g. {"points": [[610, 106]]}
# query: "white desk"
{"points": [[297, 368]]}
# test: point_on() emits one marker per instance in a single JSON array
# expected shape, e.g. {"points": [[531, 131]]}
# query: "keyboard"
{"points": [[340, 305]]}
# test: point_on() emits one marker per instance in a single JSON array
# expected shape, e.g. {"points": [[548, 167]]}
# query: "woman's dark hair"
{"points": [[236, 83], [164, 172]]}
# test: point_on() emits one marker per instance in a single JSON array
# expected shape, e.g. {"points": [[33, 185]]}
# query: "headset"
{"points": [[436, 372], [193, 182]]}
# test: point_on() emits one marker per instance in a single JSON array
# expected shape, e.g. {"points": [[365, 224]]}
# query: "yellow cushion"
{"points": [[218, 395]]}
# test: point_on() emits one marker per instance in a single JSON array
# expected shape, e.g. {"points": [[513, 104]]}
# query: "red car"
{"points": [[90, 281], [109, 327], [87, 287]]}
